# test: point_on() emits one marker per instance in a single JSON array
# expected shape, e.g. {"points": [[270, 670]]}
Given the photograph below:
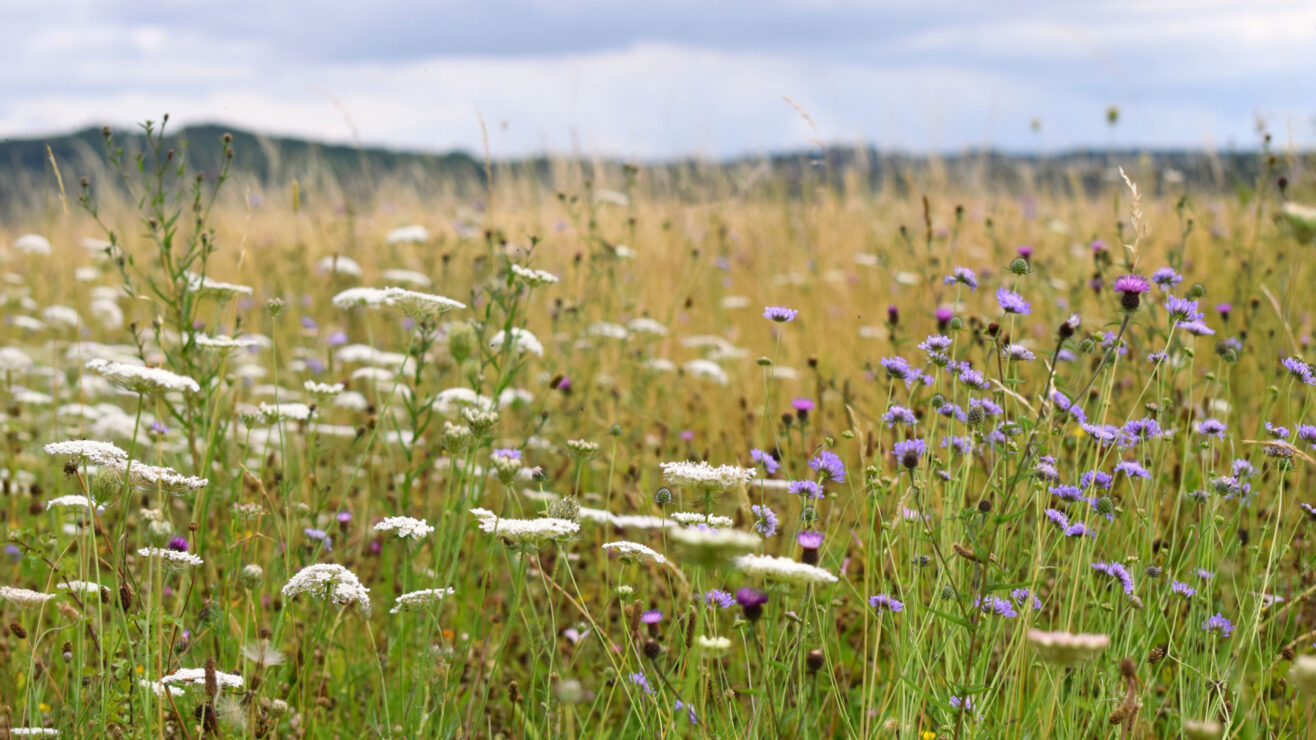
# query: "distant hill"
{"points": [[27, 177]]}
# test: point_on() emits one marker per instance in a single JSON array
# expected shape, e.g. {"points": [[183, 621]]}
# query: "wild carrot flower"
{"points": [[144, 380], [173, 559], [405, 527], [705, 477], [24, 598], [416, 600], [783, 570], [634, 551], [1064, 648], [329, 581]]}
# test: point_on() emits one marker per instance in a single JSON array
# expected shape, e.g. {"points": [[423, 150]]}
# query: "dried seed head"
{"points": [[814, 660]]}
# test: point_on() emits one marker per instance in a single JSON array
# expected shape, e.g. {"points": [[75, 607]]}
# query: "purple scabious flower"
{"points": [[1308, 509], [766, 459], [1020, 596], [1105, 433], [805, 489], [507, 453], [720, 599], [652, 616], [1204, 574], [1299, 369], [779, 314], [1144, 428], [1181, 309], [830, 465], [996, 605], [898, 414], [908, 452], [1064, 405], [178, 544], [883, 602], [321, 535], [1067, 492], [1307, 433], [1077, 529], [964, 705], [1116, 571], [1196, 328], [952, 410], [1017, 353], [1046, 470], [1057, 517], [690, 711], [1276, 431], [1156, 357], [963, 276], [767, 520], [1242, 469], [1166, 278], [935, 343], [1012, 302], [1130, 288], [1183, 589], [960, 445], [898, 368], [1101, 479], [639, 680], [1132, 469], [1219, 625], [988, 406], [1212, 428], [973, 378]]}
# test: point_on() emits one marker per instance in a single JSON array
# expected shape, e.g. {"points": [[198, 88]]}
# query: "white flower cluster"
{"points": [[222, 343], [688, 518], [532, 277], [522, 341], [76, 501], [14, 360], [322, 390], [155, 477], [783, 569], [704, 546], [420, 305], [158, 688], [329, 579], [705, 477], [206, 286], [86, 587], [360, 297], [141, 379], [174, 558], [273, 412], [623, 521], [1064, 648], [634, 551], [88, 450], [405, 527], [525, 531], [33, 732], [24, 598], [420, 599], [714, 647], [197, 676]]}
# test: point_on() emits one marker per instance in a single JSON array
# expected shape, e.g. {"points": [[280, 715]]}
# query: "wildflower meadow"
{"points": [[607, 450]]}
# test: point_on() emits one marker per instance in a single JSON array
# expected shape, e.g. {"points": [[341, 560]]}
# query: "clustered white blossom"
{"points": [[525, 531], [705, 546], [783, 569], [339, 584], [1064, 648], [628, 550], [405, 527], [521, 340], [716, 521], [24, 598], [176, 558], [76, 501], [206, 286], [273, 412], [222, 343], [532, 277], [420, 599], [141, 379], [323, 390], [195, 676], [420, 305], [155, 477], [96, 453], [705, 477], [713, 646], [86, 587]]}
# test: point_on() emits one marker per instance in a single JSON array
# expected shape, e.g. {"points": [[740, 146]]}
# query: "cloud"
{"points": [[650, 80]]}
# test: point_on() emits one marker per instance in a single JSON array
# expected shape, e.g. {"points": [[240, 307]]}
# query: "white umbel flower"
{"points": [[705, 546], [197, 677], [323, 390], [86, 587], [33, 244], [33, 732], [14, 360], [88, 450], [532, 277], [714, 647], [221, 343], [72, 501], [330, 580], [522, 341], [634, 551], [24, 598], [716, 521], [158, 688], [410, 277], [705, 477], [157, 478], [707, 370], [645, 325], [339, 265], [784, 570], [525, 531], [274, 412], [421, 305], [1065, 648], [207, 286], [142, 379], [172, 558], [360, 297], [413, 234], [416, 600], [405, 527]]}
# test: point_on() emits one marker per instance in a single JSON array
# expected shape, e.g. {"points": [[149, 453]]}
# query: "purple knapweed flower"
{"points": [[1130, 288], [178, 544]]}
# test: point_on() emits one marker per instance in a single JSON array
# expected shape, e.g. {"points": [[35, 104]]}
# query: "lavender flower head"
{"points": [[806, 489], [767, 520], [1183, 589], [720, 599], [830, 465], [908, 452], [1166, 278], [769, 462], [779, 314], [963, 276], [1012, 302], [1212, 428], [1299, 369], [1219, 625], [1118, 572], [898, 414], [883, 602]]}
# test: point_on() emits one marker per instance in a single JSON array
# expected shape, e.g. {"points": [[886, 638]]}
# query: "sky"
{"points": [[654, 80]]}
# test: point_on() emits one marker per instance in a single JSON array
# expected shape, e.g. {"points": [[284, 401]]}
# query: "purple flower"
{"points": [[964, 705], [809, 540], [1181, 309], [1204, 574], [996, 605], [320, 535], [690, 711], [960, 445], [898, 414], [1276, 431], [1197, 328], [908, 452], [973, 378], [1077, 529], [1223, 309], [1145, 428], [309, 324], [806, 489], [963, 276], [751, 601], [1299, 369], [344, 517], [178, 544], [898, 368], [1219, 625], [943, 315], [1020, 596], [337, 339], [1307, 433], [769, 462], [652, 616], [1057, 517], [1166, 278], [719, 599], [802, 405], [1067, 492], [1012, 302], [1118, 572], [1212, 428], [159, 428], [883, 602], [1132, 469], [779, 314], [506, 453], [935, 343], [1101, 479], [767, 520], [830, 465], [1017, 352], [1064, 405], [1183, 589], [639, 680]]}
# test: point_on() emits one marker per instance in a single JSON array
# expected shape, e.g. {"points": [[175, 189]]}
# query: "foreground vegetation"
{"points": [[976, 466]]}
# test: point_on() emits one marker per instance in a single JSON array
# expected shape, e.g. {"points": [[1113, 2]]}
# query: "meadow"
{"points": [[657, 454]]}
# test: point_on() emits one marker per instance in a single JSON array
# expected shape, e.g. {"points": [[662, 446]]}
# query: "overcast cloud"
{"points": [[655, 79]]}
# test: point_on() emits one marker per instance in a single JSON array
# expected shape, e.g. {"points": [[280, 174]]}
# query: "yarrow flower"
{"points": [[779, 314]]}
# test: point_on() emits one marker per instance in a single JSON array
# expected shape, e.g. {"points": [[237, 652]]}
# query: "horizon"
{"points": [[659, 81]]}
